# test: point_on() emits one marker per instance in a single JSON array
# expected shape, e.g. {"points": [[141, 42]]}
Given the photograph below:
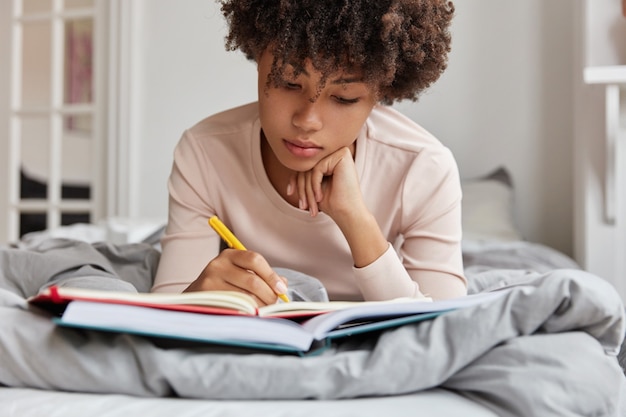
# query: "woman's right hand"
{"points": [[244, 271]]}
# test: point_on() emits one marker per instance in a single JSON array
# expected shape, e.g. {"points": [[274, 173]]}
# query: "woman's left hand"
{"points": [[331, 186]]}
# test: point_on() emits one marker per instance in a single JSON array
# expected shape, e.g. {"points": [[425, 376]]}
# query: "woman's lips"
{"points": [[302, 149]]}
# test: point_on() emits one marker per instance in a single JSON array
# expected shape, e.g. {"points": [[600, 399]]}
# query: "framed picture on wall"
{"points": [[78, 70]]}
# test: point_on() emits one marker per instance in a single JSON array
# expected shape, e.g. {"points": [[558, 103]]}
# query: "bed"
{"points": [[549, 347]]}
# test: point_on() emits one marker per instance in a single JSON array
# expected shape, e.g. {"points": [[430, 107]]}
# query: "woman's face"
{"points": [[303, 123]]}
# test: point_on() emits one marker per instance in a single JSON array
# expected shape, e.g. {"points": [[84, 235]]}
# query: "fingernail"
{"points": [[301, 204], [289, 189], [280, 287]]}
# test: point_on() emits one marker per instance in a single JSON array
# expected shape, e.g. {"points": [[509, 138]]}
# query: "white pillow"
{"points": [[487, 208]]}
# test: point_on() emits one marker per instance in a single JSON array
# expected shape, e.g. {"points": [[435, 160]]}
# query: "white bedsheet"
{"points": [[34, 403]]}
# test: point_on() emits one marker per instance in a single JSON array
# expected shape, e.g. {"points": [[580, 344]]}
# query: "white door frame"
{"points": [[5, 88]]}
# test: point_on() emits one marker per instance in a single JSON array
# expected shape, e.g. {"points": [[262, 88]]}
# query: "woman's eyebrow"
{"points": [[347, 80]]}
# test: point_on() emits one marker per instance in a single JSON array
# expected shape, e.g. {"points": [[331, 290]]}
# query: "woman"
{"points": [[320, 175]]}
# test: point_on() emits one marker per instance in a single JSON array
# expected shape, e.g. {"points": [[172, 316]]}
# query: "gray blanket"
{"points": [[546, 348]]}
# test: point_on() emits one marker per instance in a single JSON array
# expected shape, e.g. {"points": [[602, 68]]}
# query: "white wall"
{"points": [[183, 74], [505, 99]]}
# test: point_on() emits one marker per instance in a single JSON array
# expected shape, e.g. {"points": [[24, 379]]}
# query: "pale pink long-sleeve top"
{"points": [[409, 181]]}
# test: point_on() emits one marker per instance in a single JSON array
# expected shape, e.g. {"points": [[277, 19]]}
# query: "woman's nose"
{"points": [[308, 116]]}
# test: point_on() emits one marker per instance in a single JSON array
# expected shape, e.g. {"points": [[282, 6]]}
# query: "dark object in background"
{"points": [[34, 189]]}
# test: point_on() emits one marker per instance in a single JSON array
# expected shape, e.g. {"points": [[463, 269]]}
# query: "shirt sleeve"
{"points": [[387, 265], [429, 259], [188, 243]]}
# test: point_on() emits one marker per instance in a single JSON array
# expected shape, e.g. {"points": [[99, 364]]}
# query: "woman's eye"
{"points": [[343, 100]]}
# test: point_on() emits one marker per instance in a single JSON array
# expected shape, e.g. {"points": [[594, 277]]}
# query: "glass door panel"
{"points": [[78, 4], [78, 68], [77, 156], [35, 156], [36, 6], [36, 65], [52, 116]]}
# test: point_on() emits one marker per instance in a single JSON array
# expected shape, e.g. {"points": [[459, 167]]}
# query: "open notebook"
{"points": [[298, 327]]}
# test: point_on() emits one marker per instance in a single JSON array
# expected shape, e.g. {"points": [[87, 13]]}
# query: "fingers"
{"points": [[298, 182], [301, 186], [306, 195], [244, 271], [310, 185], [316, 186], [317, 179], [291, 185]]}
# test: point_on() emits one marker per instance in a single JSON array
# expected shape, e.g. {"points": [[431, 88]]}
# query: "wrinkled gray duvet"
{"points": [[546, 348]]}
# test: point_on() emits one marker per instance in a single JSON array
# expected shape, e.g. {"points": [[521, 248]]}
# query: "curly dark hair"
{"points": [[399, 46]]}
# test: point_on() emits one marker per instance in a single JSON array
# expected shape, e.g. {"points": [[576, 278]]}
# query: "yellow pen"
{"points": [[232, 241]]}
